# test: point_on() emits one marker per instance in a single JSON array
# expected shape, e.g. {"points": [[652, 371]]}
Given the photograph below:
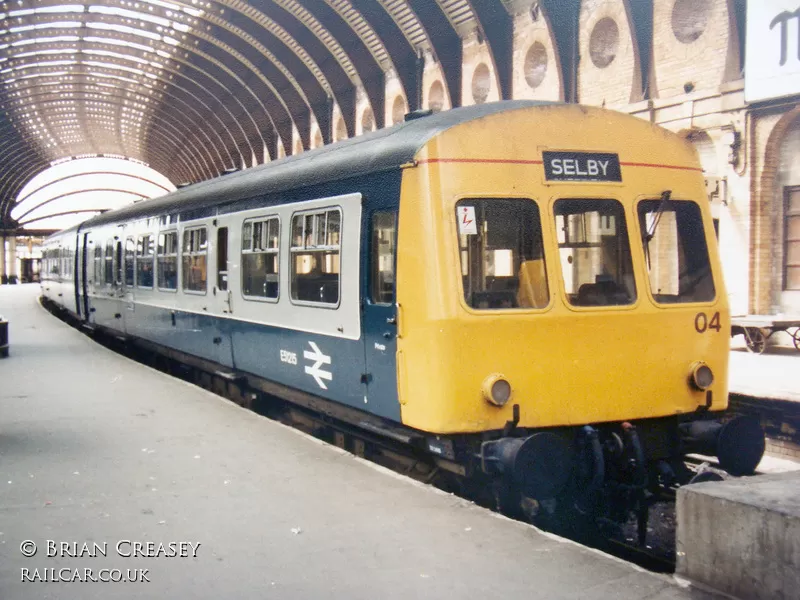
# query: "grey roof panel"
{"points": [[381, 150]]}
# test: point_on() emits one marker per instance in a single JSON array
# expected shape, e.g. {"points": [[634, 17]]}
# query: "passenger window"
{"points": [[109, 267], [195, 260], [676, 251], [98, 265], [144, 262], [130, 249], [315, 256], [168, 261], [594, 252], [260, 258], [384, 231], [502, 257]]}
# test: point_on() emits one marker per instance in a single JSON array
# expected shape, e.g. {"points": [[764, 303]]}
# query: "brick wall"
{"points": [[537, 67], [695, 46], [479, 81], [608, 72]]}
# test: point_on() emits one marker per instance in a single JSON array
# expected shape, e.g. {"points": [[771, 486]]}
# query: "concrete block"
{"points": [[742, 536]]}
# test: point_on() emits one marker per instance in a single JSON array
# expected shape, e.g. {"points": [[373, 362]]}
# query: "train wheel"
{"points": [[755, 340], [796, 337]]}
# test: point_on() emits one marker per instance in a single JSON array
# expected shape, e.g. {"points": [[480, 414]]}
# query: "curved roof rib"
{"points": [[195, 88]]}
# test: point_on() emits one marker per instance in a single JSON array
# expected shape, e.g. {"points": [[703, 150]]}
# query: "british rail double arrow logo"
{"points": [[319, 359]]}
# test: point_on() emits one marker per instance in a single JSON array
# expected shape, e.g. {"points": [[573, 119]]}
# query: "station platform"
{"points": [[774, 375], [99, 453]]}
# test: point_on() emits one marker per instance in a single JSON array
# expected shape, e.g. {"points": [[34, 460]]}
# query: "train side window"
{"points": [[502, 255], [676, 251], [167, 253], [98, 265], [195, 260], [595, 253], [130, 250], [384, 232], [315, 252], [109, 267], [260, 258], [144, 262]]}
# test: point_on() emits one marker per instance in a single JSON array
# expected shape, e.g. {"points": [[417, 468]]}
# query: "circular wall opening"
{"points": [[436, 96], [689, 19], [535, 67], [398, 110], [604, 42], [481, 83]]}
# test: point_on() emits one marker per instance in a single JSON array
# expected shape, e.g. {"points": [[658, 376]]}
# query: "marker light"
{"points": [[496, 390], [702, 377]]}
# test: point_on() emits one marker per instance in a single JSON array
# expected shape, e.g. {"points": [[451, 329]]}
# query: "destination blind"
{"points": [[581, 166]]}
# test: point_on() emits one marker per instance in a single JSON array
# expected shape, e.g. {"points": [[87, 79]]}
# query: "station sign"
{"points": [[772, 52], [581, 166]]}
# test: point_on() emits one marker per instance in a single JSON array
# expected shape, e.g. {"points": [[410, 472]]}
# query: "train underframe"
{"points": [[595, 477]]}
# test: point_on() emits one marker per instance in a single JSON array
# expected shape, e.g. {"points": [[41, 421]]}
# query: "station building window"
{"points": [[144, 261], [167, 261], [502, 256], [261, 258], [676, 251], [315, 249], [791, 255], [195, 260], [594, 252]]}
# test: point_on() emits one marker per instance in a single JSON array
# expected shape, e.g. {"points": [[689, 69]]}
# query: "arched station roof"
{"points": [[197, 88]]}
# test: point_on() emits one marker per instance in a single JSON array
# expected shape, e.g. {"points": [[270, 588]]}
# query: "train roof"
{"points": [[381, 150]]}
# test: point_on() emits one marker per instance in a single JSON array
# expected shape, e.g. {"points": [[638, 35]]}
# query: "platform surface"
{"points": [[97, 449]]}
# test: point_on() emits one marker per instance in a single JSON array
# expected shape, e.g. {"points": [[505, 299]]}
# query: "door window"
{"points": [[382, 255]]}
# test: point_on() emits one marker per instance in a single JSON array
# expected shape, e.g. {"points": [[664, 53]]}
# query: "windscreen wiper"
{"points": [[648, 235]]}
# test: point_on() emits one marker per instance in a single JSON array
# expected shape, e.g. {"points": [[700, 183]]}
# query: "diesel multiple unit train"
{"points": [[527, 294]]}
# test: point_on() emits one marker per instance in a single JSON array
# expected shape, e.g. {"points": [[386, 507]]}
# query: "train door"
{"points": [[80, 276], [128, 270], [119, 280], [380, 313], [222, 287]]}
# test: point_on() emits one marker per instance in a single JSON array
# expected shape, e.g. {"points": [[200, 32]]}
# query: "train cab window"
{"points": [[195, 260], [502, 257], [676, 251], [260, 258], [109, 267], [167, 261], [594, 252], [130, 250], [384, 232], [144, 261], [315, 256]]}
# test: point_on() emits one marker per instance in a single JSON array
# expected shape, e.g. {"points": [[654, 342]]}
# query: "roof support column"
{"points": [[3, 277], [12, 259]]}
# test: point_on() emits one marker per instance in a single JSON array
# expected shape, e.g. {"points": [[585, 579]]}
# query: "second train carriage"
{"points": [[529, 290]]}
